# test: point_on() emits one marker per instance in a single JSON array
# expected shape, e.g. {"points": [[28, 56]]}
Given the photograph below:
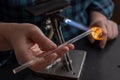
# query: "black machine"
{"points": [[70, 66]]}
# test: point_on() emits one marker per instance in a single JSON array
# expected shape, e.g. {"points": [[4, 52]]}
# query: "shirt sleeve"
{"points": [[103, 6]]}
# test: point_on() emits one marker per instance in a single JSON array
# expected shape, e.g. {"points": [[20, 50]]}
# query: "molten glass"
{"points": [[97, 33]]}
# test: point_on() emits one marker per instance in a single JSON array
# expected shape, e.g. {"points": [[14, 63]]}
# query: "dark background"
{"points": [[116, 14]]}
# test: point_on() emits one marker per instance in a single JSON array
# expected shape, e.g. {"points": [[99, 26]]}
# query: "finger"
{"points": [[110, 30], [104, 41], [115, 30], [70, 46], [104, 34], [91, 39], [36, 49], [43, 62], [50, 58], [38, 37], [61, 50]]}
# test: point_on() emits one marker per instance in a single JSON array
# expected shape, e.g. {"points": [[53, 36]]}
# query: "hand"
{"points": [[48, 59], [110, 28], [23, 38]]}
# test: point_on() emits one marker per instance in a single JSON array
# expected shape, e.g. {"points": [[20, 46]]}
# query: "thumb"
{"points": [[38, 37]]}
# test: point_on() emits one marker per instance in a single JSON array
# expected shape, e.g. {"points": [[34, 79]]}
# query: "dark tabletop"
{"points": [[100, 64]]}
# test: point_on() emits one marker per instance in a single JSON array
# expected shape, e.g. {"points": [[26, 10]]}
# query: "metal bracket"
{"points": [[60, 73]]}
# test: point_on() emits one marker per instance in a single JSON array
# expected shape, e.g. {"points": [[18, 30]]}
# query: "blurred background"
{"points": [[116, 14]]}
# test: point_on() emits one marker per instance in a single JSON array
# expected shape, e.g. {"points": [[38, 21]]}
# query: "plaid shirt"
{"points": [[14, 11]]}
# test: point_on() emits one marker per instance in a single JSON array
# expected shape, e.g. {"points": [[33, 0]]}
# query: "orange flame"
{"points": [[97, 33]]}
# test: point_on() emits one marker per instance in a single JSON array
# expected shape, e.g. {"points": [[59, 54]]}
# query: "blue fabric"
{"points": [[14, 11]]}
